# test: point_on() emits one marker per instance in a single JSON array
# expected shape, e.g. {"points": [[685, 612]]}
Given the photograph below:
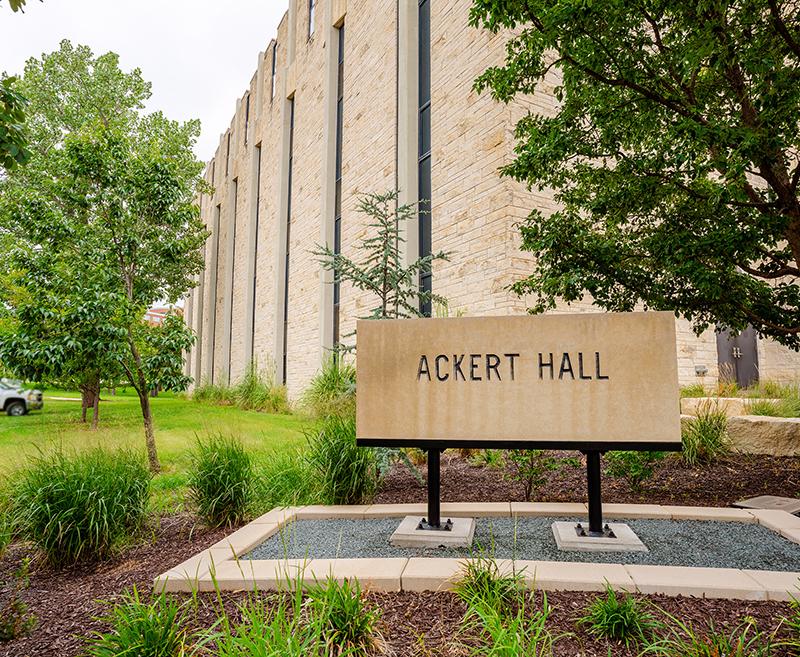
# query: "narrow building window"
{"points": [[246, 118], [213, 170], [288, 242], [337, 222], [228, 155], [217, 213], [257, 155], [312, 6], [235, 193], [425, 230], [274, 71]]}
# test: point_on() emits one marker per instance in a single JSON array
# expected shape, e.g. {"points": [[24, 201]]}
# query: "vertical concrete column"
{"points": [[408, 118], [227, 297], [252, 248], [259, 99], [328, 197], [213, 268], [188, 317]]}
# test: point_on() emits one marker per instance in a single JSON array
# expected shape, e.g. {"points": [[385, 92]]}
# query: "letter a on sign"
{"points": [[579, 381]]}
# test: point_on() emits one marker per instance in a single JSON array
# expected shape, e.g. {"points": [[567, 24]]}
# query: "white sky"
{"points": [[199, 55]]}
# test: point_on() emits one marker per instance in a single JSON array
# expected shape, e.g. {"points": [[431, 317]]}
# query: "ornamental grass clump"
{"points": [[483, 584], [620, 618], [77, 507], [705, 437], [144, 629], [257, 391], [681, 639], [221, 480], [347, 474], [332, 391]]}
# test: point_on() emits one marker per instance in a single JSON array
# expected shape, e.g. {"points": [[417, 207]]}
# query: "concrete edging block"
{"points": [[547, 509], [779, 586], [717, 514], [728, 583]]}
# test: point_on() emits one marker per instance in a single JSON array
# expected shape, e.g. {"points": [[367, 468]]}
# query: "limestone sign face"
{"points": [[580, 380]]}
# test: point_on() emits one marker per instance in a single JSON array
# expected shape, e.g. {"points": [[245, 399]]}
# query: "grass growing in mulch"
{"points": [[721, 483]]}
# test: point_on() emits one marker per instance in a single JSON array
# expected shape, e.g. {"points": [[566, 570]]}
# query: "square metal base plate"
{"points": [[772, 503], [567, 539], [407, 534]]}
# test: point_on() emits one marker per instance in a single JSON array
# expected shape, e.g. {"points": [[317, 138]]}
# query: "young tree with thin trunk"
{"points": [[108, 199]]}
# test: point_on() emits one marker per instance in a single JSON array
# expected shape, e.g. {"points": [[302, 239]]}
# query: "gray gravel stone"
{"points": [[671, 542]]}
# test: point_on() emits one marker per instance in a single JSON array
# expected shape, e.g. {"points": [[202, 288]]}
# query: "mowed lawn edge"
{"points": [[178, 422]]}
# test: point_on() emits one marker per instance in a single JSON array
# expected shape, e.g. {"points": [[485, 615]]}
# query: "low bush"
{"points": [[347, 474], [143, 629], [491, 458], [267, 628], [694, 390], [220, 480], [705, 437], [620, 618], [762, 407], [212, 393], [332, 391], [15, 619], [285, 478], [529, 467], [76, 508], [347, 624], [257, 391], [511, 633], [482, 583], [682, 640], [6, 527], [637, 467]]}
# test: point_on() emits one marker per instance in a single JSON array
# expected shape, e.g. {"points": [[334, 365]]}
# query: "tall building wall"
{"points": [[474, 212]]}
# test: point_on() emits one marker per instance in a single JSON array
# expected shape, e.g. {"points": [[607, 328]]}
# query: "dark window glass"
{"points": [[424, 173], [228, 155], [274, 71], [233, 274], [288, 241], [312, 10], [337, 223]]}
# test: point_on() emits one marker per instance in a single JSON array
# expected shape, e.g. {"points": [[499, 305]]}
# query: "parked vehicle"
{"points": [[15, 400]]}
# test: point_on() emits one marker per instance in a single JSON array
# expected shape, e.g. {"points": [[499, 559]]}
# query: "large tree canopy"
{"points": [[13, 141], [99, 226], [673, 153]]}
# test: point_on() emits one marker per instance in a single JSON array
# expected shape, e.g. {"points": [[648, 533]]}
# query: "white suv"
{"points": [[16, 401]]}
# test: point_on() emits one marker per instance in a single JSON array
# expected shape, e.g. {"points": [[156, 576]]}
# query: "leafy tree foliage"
{"points": [[673, 153], [100, 225], [13, 141]]}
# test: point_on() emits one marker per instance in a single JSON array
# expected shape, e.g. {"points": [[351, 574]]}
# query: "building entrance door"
{"points": [[738, 356]]}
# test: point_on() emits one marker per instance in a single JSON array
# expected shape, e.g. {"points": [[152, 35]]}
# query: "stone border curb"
{"points": [[220, 566]]}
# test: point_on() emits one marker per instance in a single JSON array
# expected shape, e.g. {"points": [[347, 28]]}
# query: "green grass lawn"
{"points": [[178, 421]]}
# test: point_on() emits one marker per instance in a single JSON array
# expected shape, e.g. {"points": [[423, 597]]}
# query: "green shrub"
{"points": [[268, 630], [220, 480], [682, 640], [154, 629], [529, 467], [76, 508], [15, 620], [332, 391], [347, 474], [705, 437], [762, 407], [285, 478], [620, 618], [482, 584], [6, 528], [694, 390], [635, 466], [346, 623], [514, 632], [212, 393], [257, 391], [491, 458]]}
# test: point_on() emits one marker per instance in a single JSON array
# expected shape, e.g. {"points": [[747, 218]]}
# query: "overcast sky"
{"points": [[199, 54]]}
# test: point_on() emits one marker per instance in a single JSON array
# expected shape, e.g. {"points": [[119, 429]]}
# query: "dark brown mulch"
{"points": [[413, 623], [65, 603], [719, 484]]}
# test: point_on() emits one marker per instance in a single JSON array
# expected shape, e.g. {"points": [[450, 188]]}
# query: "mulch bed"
{"points": [[719, 484], [67, 603]]}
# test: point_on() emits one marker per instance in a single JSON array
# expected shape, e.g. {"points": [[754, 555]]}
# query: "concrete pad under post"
{"points": [[623, 540], [408, 534]]}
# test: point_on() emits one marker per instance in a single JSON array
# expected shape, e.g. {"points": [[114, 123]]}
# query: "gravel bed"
{"points": [[671, 543]]}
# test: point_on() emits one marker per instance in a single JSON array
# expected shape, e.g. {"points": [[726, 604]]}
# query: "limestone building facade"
{"points": [[357, 96]]}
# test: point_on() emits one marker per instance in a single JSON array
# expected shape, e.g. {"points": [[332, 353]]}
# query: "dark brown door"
{"points": [[738, 356]]}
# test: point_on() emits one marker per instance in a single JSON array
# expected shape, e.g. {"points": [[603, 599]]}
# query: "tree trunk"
{"points": [[84, 404], [144, 401], [96, 407]]}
